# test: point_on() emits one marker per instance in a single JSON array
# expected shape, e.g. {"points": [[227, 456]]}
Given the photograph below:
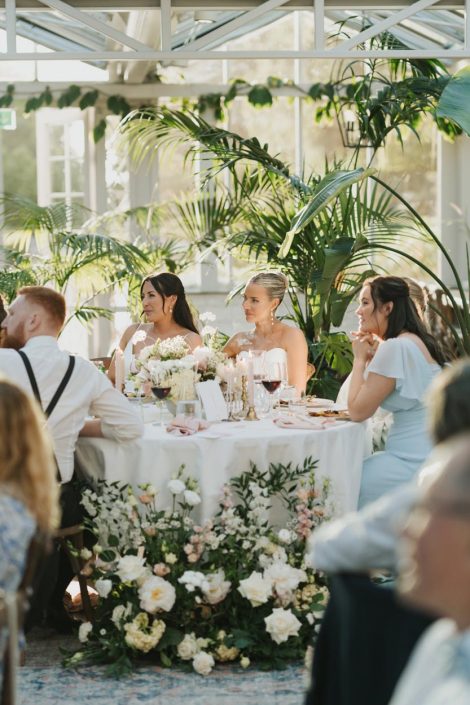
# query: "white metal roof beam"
{"points": [[238, 22], [436, 53], [10, 7], [240, 5], [384, 25], [90, 21], [165, 25]]}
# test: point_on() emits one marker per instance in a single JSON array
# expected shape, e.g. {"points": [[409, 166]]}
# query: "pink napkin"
{"points": [[182, 426], [314, 424]]}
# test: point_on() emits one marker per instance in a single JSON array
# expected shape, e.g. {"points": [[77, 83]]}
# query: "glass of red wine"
{"points": [[271, 383], [161, 388]]}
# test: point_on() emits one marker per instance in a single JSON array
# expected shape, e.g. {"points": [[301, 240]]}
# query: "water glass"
{"points": [[190, 409]]}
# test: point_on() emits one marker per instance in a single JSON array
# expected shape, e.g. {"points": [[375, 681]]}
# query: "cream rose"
{"points": [[203, 663], [284, 579], [188, 648], [84, 631], [103, 588], [256, 589], [282, 624], [130, 568], [157, 594], [215, 588]]}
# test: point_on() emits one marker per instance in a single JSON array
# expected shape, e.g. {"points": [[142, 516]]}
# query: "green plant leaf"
{"points": [[455, 100], [259, 96], [331, 186]]}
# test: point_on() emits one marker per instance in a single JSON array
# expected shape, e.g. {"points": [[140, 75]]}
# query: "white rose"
{"points": [[83, 632], [151, 490], [262, 542], [157, 594], [282, 624], [191, 498], [103, 588], [130, 568], [132, 501], [208, 330], [176, 486], [85, 554], [284, 578], [188, 648], [215, 588], [256, 589], [285, 536], [244, 662], [170, 558], [203, 663], [118, 614]]}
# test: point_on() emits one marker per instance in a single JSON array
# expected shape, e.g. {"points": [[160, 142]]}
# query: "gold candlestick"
{"points": [[244, 396], [251, 414]]}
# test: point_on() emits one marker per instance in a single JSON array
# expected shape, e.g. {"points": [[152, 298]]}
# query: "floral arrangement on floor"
{"points": [[233, 588]]}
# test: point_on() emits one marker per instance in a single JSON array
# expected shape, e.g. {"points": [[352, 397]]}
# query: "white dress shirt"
{"points": [[88, 392], [438, 672], [363, 540]]}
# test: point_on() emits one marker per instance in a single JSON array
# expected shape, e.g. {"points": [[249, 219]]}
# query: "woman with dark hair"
{"points": [[395, 361], [168, 315]]}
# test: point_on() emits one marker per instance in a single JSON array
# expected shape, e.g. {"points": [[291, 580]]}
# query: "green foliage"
{"points": [[67, 255], [454, 103]]}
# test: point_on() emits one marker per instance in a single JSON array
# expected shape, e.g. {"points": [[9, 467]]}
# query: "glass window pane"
{"points": [[58, 177], [77, 139], [76, 174], [56, 140]]}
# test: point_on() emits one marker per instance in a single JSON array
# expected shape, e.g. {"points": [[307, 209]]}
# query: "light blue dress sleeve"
{"points": [[402, 360]]}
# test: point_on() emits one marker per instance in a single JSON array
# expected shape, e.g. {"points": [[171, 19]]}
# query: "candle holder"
{"points": [[251, 414]]}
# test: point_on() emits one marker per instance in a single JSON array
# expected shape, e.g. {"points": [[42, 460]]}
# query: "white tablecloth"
{"points": [[213, 461]]}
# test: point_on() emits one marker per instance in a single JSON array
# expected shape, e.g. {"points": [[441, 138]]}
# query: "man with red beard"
{"points": [[69, 388]]}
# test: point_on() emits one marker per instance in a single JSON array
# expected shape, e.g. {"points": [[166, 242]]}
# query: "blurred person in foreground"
{"points": [[367, 539], [367, 636], [435, 576], [29, 494], [68, 388]]}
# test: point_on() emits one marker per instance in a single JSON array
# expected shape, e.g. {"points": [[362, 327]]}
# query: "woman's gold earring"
{"points": [[272, 316], [171, 310]]}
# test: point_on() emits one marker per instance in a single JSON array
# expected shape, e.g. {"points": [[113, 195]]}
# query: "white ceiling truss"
{"points": [[114, 35]]}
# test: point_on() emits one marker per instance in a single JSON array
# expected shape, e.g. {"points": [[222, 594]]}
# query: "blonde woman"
{"points": [[262, 297], [29, 492]]}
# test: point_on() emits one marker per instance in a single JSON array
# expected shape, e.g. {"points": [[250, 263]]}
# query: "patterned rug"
{"points": [[44, 682]]}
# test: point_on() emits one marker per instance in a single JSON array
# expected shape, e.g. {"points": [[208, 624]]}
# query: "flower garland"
{"points": [[234, 587]]}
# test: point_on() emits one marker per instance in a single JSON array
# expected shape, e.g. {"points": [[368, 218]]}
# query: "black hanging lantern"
{"points": [[350, 129]]}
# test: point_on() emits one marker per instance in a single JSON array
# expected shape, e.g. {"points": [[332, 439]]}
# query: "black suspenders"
{"points": [[34, 384]]}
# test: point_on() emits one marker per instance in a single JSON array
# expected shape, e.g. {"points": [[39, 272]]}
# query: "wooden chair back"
{"points": [[74, 534]]}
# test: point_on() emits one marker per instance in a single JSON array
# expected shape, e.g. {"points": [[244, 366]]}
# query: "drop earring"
{"points": [[272, 316]]}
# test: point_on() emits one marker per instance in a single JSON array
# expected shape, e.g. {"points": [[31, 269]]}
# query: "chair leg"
{"points": [[88, 609]]}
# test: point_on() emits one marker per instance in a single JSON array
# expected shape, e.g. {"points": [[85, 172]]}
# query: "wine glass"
{"points": [[161, 387], [271, 383]]}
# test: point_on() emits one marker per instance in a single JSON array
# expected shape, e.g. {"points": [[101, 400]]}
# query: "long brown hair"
{"points": [[404, 317], [27, 467], [167, 284]]}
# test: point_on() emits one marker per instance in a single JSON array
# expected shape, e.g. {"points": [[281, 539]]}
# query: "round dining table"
{"points": [[226, 450]]}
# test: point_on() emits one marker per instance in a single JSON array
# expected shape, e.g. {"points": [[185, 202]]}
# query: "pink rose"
{"points": [[161, 569], [194, 539], [197, 529], [150, 531], [193, 558], [188, 549], [316, 493], [302, 494], [145, 498]]}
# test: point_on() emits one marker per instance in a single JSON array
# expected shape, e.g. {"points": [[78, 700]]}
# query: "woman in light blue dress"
{"points": [[29, 493], [395, 360]]}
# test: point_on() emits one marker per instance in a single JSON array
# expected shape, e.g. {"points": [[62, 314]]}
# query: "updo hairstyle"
{"points": [[404, 317], [276, 284], [419, 295], [167, 284]]}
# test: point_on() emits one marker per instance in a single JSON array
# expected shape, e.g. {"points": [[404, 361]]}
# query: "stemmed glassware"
{"points": [[161, 387], [272, 382]]}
